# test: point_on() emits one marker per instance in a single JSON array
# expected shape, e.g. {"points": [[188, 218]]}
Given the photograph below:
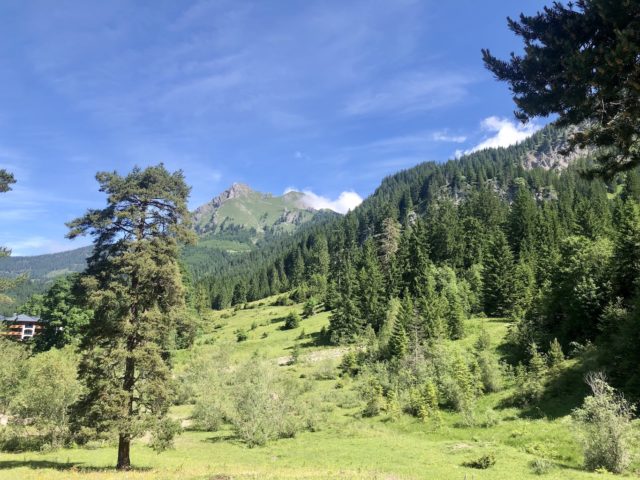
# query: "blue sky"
{"points": [[323, 96]]}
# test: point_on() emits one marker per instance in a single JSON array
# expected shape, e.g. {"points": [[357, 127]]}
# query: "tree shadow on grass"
{"points": [[223, 437], [565, 391], [316, 339], [61, 466]]}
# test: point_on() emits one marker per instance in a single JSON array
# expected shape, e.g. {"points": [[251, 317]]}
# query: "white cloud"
{"points": [[443, 136], [505, 133], [346, 201]]}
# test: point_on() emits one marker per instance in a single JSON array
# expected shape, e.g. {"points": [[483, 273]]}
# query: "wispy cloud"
{"points": [[345, 202], [504, 133], [444, 136]]}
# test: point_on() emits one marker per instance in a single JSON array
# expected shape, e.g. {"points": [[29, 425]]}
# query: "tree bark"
{"points": [[124, 447]]}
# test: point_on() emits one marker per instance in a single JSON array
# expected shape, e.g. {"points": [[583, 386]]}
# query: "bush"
{"points": [[241, 335], [283, 301], [40, 406], [326, 370], [255, 398], [292, 321], [531, 382], [604, 426], [488, 419], [265, 406], [482, 463], [556, 355], [489, 371], [423, 402], [309, 308], [540, 466], [484, 340], [372, 394]]}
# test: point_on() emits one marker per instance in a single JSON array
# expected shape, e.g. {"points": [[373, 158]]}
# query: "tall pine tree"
{"points": [[135, 289]]}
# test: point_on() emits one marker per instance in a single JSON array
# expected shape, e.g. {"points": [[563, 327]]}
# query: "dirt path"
{"points": [[317, 356]]}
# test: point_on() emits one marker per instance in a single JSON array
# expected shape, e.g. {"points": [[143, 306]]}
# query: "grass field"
{"points": [[348, 446]]}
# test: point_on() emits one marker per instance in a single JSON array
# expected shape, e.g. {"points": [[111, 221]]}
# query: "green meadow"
{"points": [[347, 445]]}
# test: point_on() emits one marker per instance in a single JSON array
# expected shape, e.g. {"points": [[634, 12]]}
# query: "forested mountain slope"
{"points": [[502, 232], [537, 161]]}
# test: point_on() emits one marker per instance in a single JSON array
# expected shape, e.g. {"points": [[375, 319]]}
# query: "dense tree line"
{"points": [[491, 233]]}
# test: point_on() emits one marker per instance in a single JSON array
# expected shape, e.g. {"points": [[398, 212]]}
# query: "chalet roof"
{"points": [[20, 317]]}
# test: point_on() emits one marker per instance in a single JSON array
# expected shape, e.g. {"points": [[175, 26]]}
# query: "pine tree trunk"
{"points": [[124, 447], [124, 440]]}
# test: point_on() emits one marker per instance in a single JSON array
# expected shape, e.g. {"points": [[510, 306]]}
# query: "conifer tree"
{"points": [[319, 257], [498, 277], [454, 310], [134, 287], [522, 218], [626, 254], [371, 287], [297, 272], [556, 355], [239, 294], [345, 323], [389, 240], [580, 62], [398, 342]]}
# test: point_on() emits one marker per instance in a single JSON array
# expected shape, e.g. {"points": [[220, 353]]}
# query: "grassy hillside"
{"points": [[347, 445], [240, 209]]}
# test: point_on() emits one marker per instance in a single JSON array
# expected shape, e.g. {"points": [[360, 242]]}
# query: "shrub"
{"points": [[40, 406], [392, 407], [482, 463], [489, 371], [283, 301], [295, 354], [556, 355], [488, 419], [326, 370], [484, 340], [292, 321], [372, 394], [540, 466], [258, 402], [241, 335], [530, 382], [350, 364], [423, 401], [604, 426], [309, 308]]}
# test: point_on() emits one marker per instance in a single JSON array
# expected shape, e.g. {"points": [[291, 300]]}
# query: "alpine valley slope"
{"points": [[236, 221]]}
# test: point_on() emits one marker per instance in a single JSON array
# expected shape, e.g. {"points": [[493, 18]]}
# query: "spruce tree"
{"points": [[580, 62], [498, 277], [297, 272], [398, 342], [371, 287], [522, 218], [134, 287], [345, 323], [626, 254]]}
